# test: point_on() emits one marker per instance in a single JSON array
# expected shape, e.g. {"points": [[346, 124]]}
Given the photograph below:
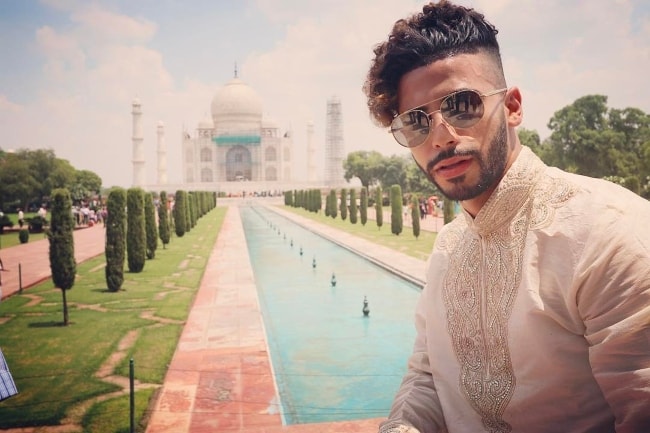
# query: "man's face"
{"points": [[465, 164]]}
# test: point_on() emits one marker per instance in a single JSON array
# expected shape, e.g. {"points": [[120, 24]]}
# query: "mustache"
{"points": [[449, 153]]}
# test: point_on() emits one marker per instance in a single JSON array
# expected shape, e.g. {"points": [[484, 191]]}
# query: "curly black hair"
{"points": [[441, 30]]}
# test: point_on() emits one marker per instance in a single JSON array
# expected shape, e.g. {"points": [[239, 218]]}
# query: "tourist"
{"points": [[536, 312], [21, 218]]}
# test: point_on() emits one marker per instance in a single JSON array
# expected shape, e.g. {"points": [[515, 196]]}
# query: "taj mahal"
{"points": [[237, 150]]}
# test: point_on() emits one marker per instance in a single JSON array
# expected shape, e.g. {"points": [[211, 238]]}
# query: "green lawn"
{"points": [[55, 366], [406, 242]]}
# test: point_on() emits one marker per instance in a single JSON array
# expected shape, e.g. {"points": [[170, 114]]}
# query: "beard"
{"points": [[492, 168]]}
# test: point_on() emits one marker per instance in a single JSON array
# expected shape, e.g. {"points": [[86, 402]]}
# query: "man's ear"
{"points": [[514, 110]]}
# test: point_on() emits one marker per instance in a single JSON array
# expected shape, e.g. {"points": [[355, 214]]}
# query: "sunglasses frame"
{"points": [[442, 100]]}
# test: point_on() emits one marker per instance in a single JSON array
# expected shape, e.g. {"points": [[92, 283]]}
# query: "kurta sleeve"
{"points": [[7, 385], [416, 407], [613, 299]]}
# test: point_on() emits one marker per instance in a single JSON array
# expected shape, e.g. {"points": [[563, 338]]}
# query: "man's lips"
{"points": [[452, 167]]}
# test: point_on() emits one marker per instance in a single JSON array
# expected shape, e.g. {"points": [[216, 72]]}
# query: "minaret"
{"points": [[162, 155], [311, 160], [138, 149], [334, 175]]}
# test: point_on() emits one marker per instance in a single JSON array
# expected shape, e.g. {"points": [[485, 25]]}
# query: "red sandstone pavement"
{"points": [[220, 378], [28, 264]]}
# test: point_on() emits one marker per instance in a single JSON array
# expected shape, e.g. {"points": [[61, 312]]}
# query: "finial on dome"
{"points": [[235, 69]]}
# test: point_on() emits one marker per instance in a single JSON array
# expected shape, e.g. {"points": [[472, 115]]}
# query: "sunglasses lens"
{"points": [[410, 129], [462, 109]]}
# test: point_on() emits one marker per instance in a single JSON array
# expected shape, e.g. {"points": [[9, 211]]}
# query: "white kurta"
{"points": [[536, 314]]}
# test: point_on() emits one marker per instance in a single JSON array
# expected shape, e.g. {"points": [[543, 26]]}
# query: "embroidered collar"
{"points": [[510, 195]]}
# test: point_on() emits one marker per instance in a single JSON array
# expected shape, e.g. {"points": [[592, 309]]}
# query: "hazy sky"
{"points": [[71, 68]]}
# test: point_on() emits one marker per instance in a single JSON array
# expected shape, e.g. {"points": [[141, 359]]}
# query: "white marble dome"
{"points": [[236, 103]]}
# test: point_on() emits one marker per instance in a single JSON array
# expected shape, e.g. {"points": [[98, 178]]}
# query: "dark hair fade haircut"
{"points": [[441, 30]]}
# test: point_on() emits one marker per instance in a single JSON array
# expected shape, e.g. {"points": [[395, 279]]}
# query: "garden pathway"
{"points": [[28, 264]]}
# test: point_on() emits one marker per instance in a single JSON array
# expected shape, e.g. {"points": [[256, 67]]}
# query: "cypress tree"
{"points": [[136, 237], [62, 262], [194, 211], [379, 208], [363, 208], [353, 206], [333, 209], [188, 216], [163, 219], [150, 226], [415, 216], [179, 213], [327, 205], [396, 223], [344, 204], [448, 210], [115, 238]]}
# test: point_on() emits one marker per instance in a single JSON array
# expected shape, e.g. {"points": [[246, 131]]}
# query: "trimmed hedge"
{"points": [[363, 206], [415, 216], [62, 262], [379, 210], [164, 230], [150, 226], [180, 213], [115, 248], [136, 237], [396, 207]]}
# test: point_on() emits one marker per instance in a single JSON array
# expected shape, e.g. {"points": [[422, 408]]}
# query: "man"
{"points": [[536, 312]]}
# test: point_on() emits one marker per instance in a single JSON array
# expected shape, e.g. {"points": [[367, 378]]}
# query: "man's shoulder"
{"points": [[598, 192]]}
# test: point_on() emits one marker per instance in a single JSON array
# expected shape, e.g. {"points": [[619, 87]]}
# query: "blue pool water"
{"points": [[331, 363]]}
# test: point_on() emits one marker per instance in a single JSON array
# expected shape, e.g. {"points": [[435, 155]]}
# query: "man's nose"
{"points": [[442, 133]]}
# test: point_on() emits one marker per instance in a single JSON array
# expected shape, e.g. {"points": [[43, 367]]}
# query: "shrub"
{"points": [[180, 213], [363, 208], [353, 206], [62, 262], [150, 226], [396, 223], [37, 223], [379, 210], [163, 219], [332, 201], [5, 221], [136, 237], [115, 238], [415, 216], [23, 236], [448, 210], [343, 205]]}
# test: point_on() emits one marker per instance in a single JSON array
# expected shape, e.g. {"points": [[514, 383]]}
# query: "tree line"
{"points": [[345, 206], [132, 231], [28, 178]]}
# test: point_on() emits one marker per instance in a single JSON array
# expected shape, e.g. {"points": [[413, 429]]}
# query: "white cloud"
{"points": [[100, 25], [6, 106]]}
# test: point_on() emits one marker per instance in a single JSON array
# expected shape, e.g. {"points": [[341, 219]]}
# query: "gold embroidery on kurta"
{"points": [[481, 284]]}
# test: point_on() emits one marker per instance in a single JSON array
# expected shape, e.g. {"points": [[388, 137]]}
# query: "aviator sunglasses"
{"points": [[461, 109]]}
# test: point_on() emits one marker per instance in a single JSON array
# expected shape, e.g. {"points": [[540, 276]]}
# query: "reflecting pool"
{"points": [[331, 362]]}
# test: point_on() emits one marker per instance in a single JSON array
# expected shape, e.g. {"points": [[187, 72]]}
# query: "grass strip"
{"points": [[57, 369]]}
